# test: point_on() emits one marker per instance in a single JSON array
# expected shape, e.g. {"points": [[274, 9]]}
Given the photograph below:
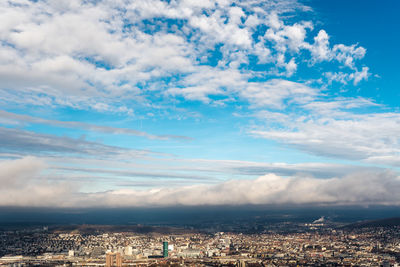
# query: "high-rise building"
{"points": [[113, 259], [118, 260], [241, 263], [165, 249], [109, 259]]}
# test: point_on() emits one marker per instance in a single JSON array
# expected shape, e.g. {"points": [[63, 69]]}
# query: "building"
{"points": [[113, 260], [128, 251], [241, 263], [165, 249]]}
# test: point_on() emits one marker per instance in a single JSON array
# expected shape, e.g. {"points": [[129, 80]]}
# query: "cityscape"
{"points": [[318, 243]]}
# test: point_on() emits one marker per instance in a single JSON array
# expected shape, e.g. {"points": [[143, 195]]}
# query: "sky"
{"points": [[161, 103]]}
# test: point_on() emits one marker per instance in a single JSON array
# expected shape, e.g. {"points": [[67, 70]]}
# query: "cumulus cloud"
{"points": [[347, 54], [320, 49], [287, 37], [360, 75], [356, 76], [274, 92], [131, 49], [354, 189]]}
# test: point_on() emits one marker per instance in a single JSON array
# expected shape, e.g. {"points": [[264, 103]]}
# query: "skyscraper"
{"points": [[241, 263], [118, 260], [109, 259], [165, 249], [113, 259]]}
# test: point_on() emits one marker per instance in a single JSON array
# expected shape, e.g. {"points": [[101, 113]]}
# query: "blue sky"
{"points": [[147, 103]]}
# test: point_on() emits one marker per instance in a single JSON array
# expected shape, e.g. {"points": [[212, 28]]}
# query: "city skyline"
{"points": [[170, 103]]}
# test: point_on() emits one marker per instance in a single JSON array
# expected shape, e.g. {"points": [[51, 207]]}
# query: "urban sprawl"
{"points": [[312, 245]]}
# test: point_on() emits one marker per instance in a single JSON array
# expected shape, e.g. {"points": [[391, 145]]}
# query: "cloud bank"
{"points": [[25, 184]]}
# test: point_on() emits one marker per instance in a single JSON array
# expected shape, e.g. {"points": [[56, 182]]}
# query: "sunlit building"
{"points": [[113, 260]]}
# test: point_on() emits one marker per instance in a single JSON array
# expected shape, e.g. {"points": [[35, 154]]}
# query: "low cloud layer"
{"points": [[358, 189], [26, 183]]}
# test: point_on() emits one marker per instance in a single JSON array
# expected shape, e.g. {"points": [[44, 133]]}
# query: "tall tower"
{"points": [[113, 259], [118, 260], [165, 249], [109, 259]]}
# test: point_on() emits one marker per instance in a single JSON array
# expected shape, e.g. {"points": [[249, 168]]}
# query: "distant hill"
{"points": [[388, 222]]}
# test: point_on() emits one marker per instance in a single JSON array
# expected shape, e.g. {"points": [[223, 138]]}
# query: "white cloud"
{"points": [[355, 189], [347, 54], [344, 78], [291, 67], [288, 36], [273, 93], [333, 131], [14, 173], [360, 75], [320, 49], [127, 51], [364, 188], [208, 81], [24, 185]]}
